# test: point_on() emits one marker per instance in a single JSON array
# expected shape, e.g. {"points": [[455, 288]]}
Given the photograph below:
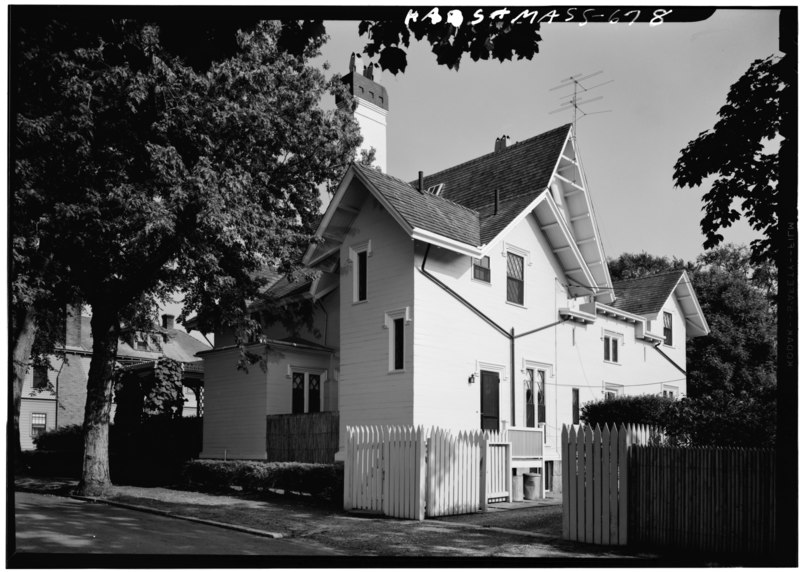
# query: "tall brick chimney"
{"points": [[500, 143], [72, 336], [168, 321]]}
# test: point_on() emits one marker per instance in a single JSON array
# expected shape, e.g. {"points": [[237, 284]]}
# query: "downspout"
{"points": [[510, 335], [669, 359]]}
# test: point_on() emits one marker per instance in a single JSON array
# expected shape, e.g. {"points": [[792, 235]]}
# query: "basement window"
{"points": [[481, 269]]}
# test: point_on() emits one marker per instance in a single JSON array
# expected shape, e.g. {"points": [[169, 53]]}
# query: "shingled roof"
{"points": [[646, 295], [424, 210]]}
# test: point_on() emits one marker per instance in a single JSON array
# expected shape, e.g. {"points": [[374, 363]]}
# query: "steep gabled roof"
{"points": [[645, 295], [423, 210]]}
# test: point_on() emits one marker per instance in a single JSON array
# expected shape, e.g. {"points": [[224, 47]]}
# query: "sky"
{"points": [[667, 84]]}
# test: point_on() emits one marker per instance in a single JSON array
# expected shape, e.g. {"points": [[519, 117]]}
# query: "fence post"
{"points": [[623, 485], [420, 476], [484, 470], [564, 481], [348, 469]]}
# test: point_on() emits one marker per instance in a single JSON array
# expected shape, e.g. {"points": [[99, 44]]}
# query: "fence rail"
{"points": [[304, 438], [715, 500]]}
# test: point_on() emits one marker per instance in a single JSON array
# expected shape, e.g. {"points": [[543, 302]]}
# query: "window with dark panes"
{"points": [[515, 282], [668, 328], [481, 269], [611, 349], [314, 392], [399, 340], [576, 406], [40, 377], [38, 424], [362, 276], [298, 392]]}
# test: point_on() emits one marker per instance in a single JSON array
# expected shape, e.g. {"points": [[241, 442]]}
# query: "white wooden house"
{"points": [[476, 297]]}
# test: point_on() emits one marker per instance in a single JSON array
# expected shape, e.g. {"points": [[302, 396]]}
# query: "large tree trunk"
{"points": [[24, 329], [96, 478]]}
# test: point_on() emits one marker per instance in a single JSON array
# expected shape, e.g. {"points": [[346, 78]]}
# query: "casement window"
{"points": [[358, 256], [667, 329], [38, 424], [515, 289], [40, 377], [611, 348], [395, 322], [307, 391], [576, 406], [481, 269], [535, 397]]}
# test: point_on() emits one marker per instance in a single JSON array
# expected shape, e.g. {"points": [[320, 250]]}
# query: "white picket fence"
{"points": [[595, 481], [408, 472]]}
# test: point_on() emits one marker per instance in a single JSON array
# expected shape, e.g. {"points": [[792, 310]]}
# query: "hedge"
{"points": [[319, 480]]}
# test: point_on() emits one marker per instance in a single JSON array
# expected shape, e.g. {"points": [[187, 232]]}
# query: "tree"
{"points": [[150, 176], [628, 266], [734, 154]]}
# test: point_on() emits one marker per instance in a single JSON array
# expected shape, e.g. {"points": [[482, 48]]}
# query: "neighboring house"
{"points": [[56, 396], [476, 297]]}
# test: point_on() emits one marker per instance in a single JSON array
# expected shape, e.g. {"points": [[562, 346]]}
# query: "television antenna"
{"points": [[576, 100]]}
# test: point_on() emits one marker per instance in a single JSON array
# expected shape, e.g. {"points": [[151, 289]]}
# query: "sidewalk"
{"points": [[526, 531]]}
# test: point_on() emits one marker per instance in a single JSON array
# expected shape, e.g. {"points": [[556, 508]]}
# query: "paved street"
{"points": [[49, 524]]}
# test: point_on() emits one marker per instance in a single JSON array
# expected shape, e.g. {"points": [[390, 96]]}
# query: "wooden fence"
{"points": [[305, 438], [707, 499], [617, 489], [412, 473], [594, 484]]}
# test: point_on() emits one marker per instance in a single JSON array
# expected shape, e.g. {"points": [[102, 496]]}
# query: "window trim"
{"points": [[613, 388], [668, 339], [306, 371], [488, 268], [390, 320], [619, 340], [521, 280], [43, 425], [669, 388], [355, 257]]}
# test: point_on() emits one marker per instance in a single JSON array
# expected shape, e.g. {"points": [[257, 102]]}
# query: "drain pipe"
{"points": [[669, 359]]}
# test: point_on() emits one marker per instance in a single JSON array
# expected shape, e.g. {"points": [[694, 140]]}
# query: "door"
{"points": [[490, 401]]}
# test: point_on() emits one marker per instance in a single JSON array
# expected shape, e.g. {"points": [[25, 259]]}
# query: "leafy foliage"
{"points": [[734, 154], [492, 37], [628, 266], [645, 409], [158, 393]]}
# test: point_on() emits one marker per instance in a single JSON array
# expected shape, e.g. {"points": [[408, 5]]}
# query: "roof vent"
{"points": [[436, 189], [500, 143]]}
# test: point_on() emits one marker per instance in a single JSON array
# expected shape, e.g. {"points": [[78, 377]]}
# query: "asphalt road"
{"points": [[49, 524]]}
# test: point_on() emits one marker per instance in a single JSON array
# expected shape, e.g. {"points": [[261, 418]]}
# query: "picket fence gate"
{"points": [[412, 473]]}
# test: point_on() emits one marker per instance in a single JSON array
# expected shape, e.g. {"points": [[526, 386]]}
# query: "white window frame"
{"points": [[613, 388], [475, 262], [355, 250], [671, 328], [620, 339], [549, 373], [323, 378], [665, 389], [388, 324], [526, 262], [43, 425]]}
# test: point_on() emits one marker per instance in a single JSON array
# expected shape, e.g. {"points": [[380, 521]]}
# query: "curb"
{"points": [[159, 512]]}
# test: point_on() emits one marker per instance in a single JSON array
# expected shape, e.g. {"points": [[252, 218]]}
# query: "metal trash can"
{"points": [[532, 487], [516, 488]]}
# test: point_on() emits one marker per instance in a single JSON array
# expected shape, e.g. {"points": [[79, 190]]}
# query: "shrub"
{"points": [[319, 480], [645, 409], [64, 439]]}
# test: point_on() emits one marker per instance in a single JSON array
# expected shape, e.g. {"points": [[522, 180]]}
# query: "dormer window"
{"points": [[436, 190]]}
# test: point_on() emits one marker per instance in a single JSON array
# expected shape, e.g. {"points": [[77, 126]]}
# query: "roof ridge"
{"points": [[518, 143]]}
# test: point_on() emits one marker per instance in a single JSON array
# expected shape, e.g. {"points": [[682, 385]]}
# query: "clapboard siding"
{"points": [[234, 419], [28, 406], [368, 393]]}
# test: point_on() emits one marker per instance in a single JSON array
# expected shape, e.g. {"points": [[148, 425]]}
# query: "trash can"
{"points": [[516, 488], [532, 487]]}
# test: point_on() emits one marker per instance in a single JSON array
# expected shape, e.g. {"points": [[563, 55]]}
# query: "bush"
{"points": [[645, 409], [319, 480], [64, 439]]}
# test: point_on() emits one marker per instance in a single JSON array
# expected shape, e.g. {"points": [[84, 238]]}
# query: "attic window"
{"points": [[436, 190]]}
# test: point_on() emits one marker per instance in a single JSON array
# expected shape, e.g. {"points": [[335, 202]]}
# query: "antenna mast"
{"points": [[576, 100]]}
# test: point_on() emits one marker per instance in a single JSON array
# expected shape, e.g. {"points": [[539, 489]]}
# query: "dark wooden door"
{"points": [[490, 401]]}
